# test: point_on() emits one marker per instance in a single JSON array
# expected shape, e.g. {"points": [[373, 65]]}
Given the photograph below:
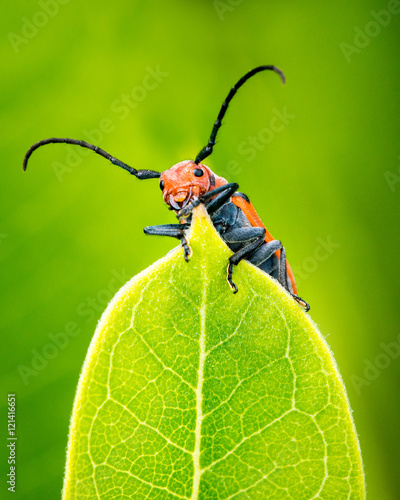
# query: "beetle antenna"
{"points": [[140, 174], [207, 150]]}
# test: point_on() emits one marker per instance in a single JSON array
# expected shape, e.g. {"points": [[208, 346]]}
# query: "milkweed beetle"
{"points": [[189, 183]]}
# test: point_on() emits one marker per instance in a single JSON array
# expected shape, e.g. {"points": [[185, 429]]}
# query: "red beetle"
{"points": [[189, 183]]}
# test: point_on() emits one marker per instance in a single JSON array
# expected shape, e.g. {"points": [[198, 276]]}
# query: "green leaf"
{"points": [[189, 391]]}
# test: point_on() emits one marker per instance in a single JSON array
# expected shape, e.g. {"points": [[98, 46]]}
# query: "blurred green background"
{"points": [[327, 183]]}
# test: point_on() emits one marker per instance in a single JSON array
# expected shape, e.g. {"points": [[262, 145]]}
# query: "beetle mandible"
{"points": [[189, 183]]}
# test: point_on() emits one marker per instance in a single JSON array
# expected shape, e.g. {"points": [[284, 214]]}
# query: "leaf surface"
{"points": [[191, 392]]}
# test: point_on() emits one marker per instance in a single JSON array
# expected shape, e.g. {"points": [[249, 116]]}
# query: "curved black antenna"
{"points": [[140, 174], [207, 150]]}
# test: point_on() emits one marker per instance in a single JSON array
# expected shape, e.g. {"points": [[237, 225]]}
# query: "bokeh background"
{"points": [[145, 80]]}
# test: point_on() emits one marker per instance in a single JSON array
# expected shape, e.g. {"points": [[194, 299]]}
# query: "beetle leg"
{"points": [[174, 231], [243, 235], [283, 280], [222, 195], [186, 248], [257, 256], [282, 269], [265, 252], [305, 305]]}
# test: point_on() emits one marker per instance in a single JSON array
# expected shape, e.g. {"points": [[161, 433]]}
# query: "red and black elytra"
{"points": [[189, 183]]}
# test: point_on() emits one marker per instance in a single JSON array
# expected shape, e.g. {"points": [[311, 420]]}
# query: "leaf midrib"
{"points": [[199, 392]]}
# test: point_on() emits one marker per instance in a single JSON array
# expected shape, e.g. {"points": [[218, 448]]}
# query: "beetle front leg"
{"points": [[222, 195], [186, 248], [174, 231]]}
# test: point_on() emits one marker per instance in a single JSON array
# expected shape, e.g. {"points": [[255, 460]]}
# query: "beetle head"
{"points": [[185, 181]]}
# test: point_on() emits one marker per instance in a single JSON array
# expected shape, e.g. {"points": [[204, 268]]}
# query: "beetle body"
{"points": [[233, 216]]}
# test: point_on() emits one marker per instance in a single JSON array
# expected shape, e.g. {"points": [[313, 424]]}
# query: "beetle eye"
{"points": [[162, 185], [198, 172]]}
